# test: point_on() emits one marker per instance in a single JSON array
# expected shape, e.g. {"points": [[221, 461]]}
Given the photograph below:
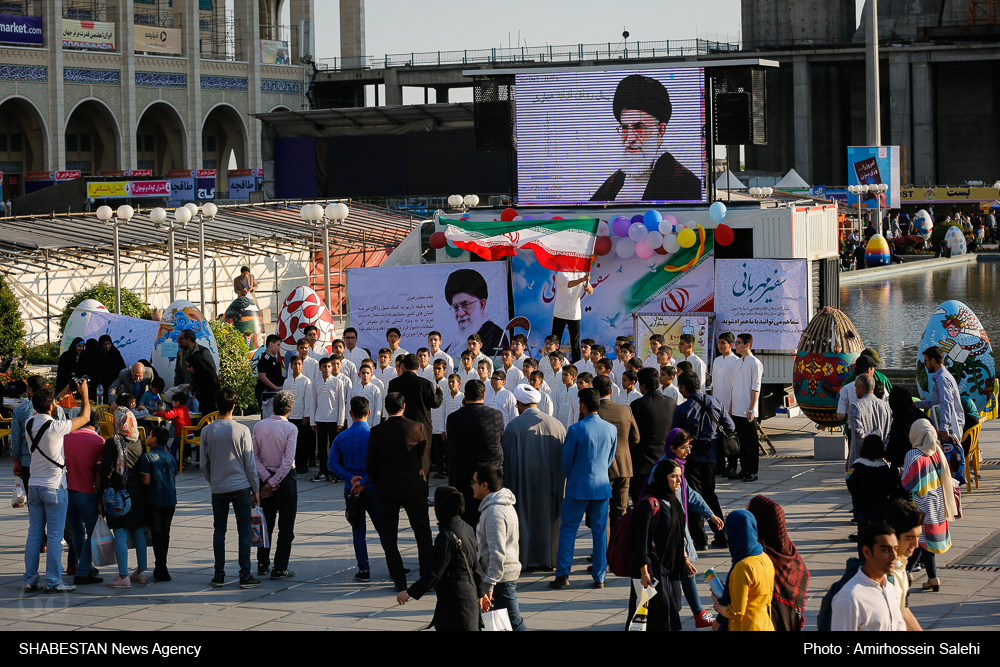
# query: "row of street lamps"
{"points": [[878, 189]]}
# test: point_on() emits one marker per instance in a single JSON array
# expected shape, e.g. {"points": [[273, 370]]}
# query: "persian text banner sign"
{"points": [[88, 35], [766, 298]]}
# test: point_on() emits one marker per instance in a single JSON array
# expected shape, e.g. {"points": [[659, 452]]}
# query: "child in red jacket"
{"points": [[179, 417]]}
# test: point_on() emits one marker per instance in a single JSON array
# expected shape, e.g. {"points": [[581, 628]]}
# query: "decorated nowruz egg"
{"points": [[247, 320], [968, 356], [76, 325], [922, 224], [877, 251], [825, 356], [301, 308], [180, 315], [955, 240]]}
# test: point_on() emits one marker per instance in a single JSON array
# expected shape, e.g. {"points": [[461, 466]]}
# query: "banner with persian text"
{"points": [[88, 35], [767, 298]]}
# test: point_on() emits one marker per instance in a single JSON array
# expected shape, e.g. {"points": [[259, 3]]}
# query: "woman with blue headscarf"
{"points": [[750, 585]]}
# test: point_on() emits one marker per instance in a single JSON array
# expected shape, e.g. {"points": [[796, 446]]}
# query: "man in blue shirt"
{"points": [[699, 469], [588, 452], [348, 455], [945, 401]]}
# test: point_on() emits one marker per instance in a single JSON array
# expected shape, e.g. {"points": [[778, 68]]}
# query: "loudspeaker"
{"points": [[493, 105], [739, 106]]}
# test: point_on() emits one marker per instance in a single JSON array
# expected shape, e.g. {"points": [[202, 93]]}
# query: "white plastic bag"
{"points": [[496, 621], [102, 544], [258, 529], [18, 498]]}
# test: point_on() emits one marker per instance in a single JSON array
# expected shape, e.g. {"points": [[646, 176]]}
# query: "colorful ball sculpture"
{"points": [[968, 355], [922, 224], [955, 240], [877, 251], [246, 318], [825, 356]]}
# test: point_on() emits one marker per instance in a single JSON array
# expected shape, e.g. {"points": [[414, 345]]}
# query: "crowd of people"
{"points": [[530, 447]]}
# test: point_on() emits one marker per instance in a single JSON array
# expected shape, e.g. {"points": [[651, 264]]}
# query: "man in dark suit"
{"points": [[475, 434], [619, 416], [420, 396], [133, 380], [654, 413], [395, 465]]}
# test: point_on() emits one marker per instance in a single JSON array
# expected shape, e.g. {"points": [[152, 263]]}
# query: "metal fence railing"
{"points": [[568, 53]]}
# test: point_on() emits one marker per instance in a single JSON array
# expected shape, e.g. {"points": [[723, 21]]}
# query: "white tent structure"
{"points": [[728, 181], [792, 181]]}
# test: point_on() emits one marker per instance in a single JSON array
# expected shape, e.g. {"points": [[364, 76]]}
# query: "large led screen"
{"points": [[626, 136]]}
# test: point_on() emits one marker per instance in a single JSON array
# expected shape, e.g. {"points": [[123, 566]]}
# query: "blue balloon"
{"points": [[530, 217], [717, 212], [635, 218], [545, 216], [652, 220]]}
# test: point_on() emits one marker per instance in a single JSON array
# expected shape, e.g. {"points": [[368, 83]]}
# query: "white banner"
{"points": [[767, 298], [456, 299], [132, 336]]}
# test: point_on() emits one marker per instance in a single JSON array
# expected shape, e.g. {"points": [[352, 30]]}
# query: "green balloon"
{"points": [[453, 252]]}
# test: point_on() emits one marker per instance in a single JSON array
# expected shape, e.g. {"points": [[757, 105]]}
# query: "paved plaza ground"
{"points": [[325, 596]]}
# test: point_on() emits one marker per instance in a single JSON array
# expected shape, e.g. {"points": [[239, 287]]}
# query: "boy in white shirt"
{"points": [[424, 367], [667, 386], [597, 353], [553, 374], [551, 345], [686, 347], [475, 344], [519, 344], [499, 398], [392, 337], [625, 352], [468, 370], [603, 367], [531, 366], [655, 343], [724, 368], [629, 392], [439, 378], [332, 400], [567, 404], [434, 345], [453, 399], [514, 376], [585, 365], [386, 370], [367, 388], [310, 366], [348, 368], [375, 381], [483, 369], [353, 353], [664, 358], [301, 414], [537, 380]]}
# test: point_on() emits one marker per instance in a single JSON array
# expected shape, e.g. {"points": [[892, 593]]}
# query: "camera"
{"points": [[75, 381]]}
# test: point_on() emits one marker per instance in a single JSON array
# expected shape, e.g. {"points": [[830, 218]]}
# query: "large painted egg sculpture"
{"points": [[877, 251], [245, 318], [968, 355], [922, 224], [179, 316], [955, 240], [300, 309], [825, 357], [76, 325]]}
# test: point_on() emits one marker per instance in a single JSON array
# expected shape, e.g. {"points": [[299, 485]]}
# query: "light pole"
{"points": [[182, 216], [463, 203], [208, 210], [334, 213], [879, 189], [122, 216]]}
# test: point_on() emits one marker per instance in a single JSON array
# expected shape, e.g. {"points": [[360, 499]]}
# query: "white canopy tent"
{"points": [[792, 181], [728, 181]]}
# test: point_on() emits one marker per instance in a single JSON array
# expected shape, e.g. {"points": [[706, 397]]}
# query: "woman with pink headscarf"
{"points": [[120, 470]]}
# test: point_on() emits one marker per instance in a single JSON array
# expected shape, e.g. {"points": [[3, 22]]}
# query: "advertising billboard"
{"points": [[26, 30], [273, 52], [188, 185], [244, 181], [871, 165], [634, 136], [157, 40], [107, 189], [88, 35]]}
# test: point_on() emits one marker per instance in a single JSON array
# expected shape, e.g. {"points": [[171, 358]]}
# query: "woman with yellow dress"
{"points": [[750, 585]]}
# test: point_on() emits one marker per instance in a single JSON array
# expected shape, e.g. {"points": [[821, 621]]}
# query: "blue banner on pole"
{"points": [[21, 29]]}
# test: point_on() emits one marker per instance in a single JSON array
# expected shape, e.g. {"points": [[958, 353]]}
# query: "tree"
{"points": [[132, 305], [234, 363], [11, 325]]}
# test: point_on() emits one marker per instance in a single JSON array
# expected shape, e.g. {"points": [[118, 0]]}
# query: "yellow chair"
{"points": [[107, 426], [188, 437], [972, 456], [5, 428], [103, 411], [142, 437]]}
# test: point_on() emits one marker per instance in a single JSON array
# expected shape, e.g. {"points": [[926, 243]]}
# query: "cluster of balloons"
{"points": [[645, 235]]}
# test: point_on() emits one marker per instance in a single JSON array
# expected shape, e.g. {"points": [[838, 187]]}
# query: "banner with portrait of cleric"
{"points": [[456, 299], [683, 282]]}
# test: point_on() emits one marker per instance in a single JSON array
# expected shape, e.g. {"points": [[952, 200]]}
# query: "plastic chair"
{"points": [[103, 411], [5, 428], [972, 456], [142, 438], [188, 437], [107, 426]]}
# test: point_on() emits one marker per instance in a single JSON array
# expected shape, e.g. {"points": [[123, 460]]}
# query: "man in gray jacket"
{"points": [[497, 535], [227, 463]]}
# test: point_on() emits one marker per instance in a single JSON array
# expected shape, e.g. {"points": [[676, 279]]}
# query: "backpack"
{"points": [[825, 619], [621, 544]]}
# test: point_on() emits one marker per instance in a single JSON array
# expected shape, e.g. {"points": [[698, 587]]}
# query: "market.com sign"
{"points": [[21, 29]]}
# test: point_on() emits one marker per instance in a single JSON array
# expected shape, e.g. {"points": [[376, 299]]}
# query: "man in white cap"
{"points": [[532, 468]]}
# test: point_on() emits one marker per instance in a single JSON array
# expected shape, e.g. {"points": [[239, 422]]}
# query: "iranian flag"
{"points": [[559, 245]]}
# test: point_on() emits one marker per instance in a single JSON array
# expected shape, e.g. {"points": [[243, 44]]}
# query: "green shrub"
{"points": [[234, 363], [132, 305], [46, 353], [11, 325], [940, 229]]}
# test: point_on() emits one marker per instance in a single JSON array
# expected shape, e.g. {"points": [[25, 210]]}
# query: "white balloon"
{"points": [[625, 248], [679, 226], [654, 240], [603, 229], [666, 227], [637, 231], [671, 244]]}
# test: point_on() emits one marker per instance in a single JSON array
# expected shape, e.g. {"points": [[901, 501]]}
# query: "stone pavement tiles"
{"points": [[325, 596]]}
